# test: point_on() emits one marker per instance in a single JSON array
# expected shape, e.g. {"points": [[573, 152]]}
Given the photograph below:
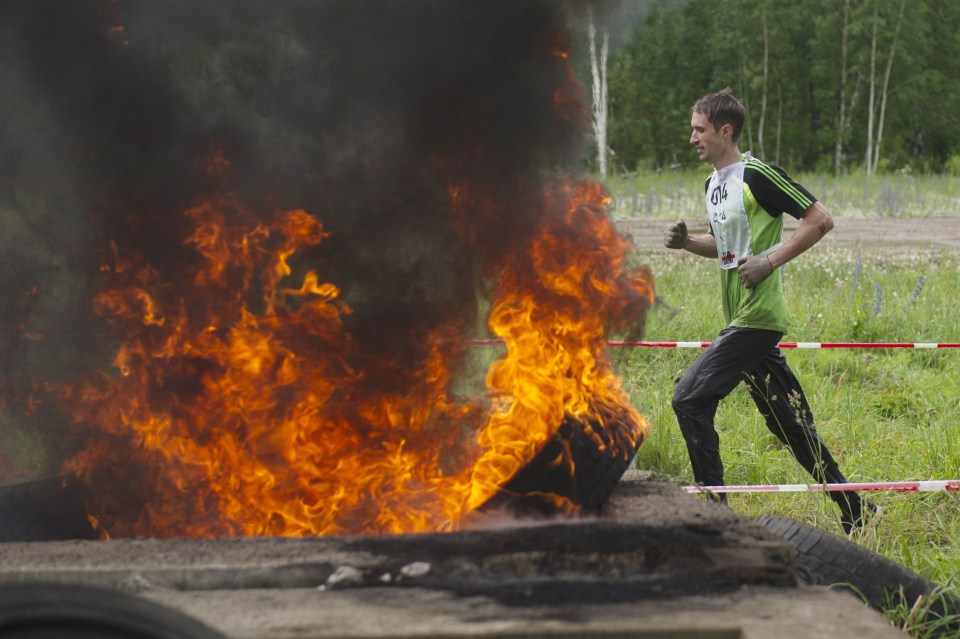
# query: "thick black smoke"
{"points": [[362, 113]]}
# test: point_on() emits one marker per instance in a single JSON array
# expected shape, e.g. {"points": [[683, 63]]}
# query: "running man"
{"points": [[745, 202]]}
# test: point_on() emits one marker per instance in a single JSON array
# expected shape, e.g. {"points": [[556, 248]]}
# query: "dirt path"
{"points": [[885, 236]]}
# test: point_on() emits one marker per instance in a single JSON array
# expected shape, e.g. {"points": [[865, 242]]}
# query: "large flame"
{"points": [[244, 390], [235, 409], [553, 310]]}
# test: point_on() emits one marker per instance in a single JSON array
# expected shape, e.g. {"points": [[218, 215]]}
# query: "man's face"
{"points": [[709, 142]]}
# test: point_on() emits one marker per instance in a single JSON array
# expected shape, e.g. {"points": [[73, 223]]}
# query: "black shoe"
{"points": [[719, 498], [866, 518]]}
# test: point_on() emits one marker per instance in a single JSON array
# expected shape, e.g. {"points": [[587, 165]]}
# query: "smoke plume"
{"points": [[418, 133]]}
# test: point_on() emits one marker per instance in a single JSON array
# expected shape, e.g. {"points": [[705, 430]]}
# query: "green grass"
{"points": [[919, 618], [665, 193], [884, 414]]}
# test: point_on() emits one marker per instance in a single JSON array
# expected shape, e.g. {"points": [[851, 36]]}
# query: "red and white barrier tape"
{"points": [[487, 342], [940, 485], [799, 344]]}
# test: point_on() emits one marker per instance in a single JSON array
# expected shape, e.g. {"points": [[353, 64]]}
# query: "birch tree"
{"points": [[874, 118], [598, 67], [763, 91], [868, 157], [885, 90], [843, 116]]}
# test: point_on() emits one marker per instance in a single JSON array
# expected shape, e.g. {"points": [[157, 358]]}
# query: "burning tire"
{"points": [[575, 471], [829, 560], [43, 509], [42, 610]]}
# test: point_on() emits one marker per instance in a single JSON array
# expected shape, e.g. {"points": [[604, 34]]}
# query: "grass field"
{"points": [[665, 193], [885, 414]]}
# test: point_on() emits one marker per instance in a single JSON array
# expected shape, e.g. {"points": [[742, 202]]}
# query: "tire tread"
{"points": [[830, 560]]}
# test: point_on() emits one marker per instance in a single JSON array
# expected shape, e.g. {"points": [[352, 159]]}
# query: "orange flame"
{"points": [[242, 405], [553, 319], [238, 416]]}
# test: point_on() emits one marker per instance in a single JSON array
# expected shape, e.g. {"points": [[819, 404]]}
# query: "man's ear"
{"points": [[726, 130]]}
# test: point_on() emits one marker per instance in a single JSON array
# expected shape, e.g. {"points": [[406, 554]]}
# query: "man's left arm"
{"points": [[815, 222]]}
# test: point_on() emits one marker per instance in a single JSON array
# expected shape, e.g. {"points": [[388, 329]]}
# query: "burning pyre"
{"points": [[298, 217]]}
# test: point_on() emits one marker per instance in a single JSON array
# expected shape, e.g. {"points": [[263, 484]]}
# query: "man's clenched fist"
{"points": [[753, 270], [676, 236]]}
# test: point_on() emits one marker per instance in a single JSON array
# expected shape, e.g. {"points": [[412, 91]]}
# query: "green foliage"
{"points": [[680, 51], [885, 414], [920, 619], [952, 167]]}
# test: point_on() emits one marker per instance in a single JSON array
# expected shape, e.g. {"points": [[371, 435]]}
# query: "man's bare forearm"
{"points": [[703, 245], [815, 223]]}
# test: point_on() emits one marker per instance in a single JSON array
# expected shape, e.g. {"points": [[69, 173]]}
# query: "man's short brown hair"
{"points": [[722, 108]]}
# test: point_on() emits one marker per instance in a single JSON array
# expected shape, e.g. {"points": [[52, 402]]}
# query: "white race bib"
{"points": [[727, 215]]}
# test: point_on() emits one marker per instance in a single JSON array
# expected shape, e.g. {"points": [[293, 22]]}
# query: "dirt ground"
{"points": [[884, 236]]}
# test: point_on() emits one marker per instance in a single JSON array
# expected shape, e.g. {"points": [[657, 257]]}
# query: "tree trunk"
{"points": [[841, 115], [885, 91], [598, 65], [776, 155], [763, 95], [868, 157], [744, 97]]}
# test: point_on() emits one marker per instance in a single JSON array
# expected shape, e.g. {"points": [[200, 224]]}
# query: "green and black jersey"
{"points": [[745, 202]]}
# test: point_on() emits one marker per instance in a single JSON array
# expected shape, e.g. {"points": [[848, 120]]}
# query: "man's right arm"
{"points": [[677, 237]]}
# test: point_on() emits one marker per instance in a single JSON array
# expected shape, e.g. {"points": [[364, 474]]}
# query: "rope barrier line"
{"points": [[646, 344], [799, 344], [942, 485], [947, 485]]}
